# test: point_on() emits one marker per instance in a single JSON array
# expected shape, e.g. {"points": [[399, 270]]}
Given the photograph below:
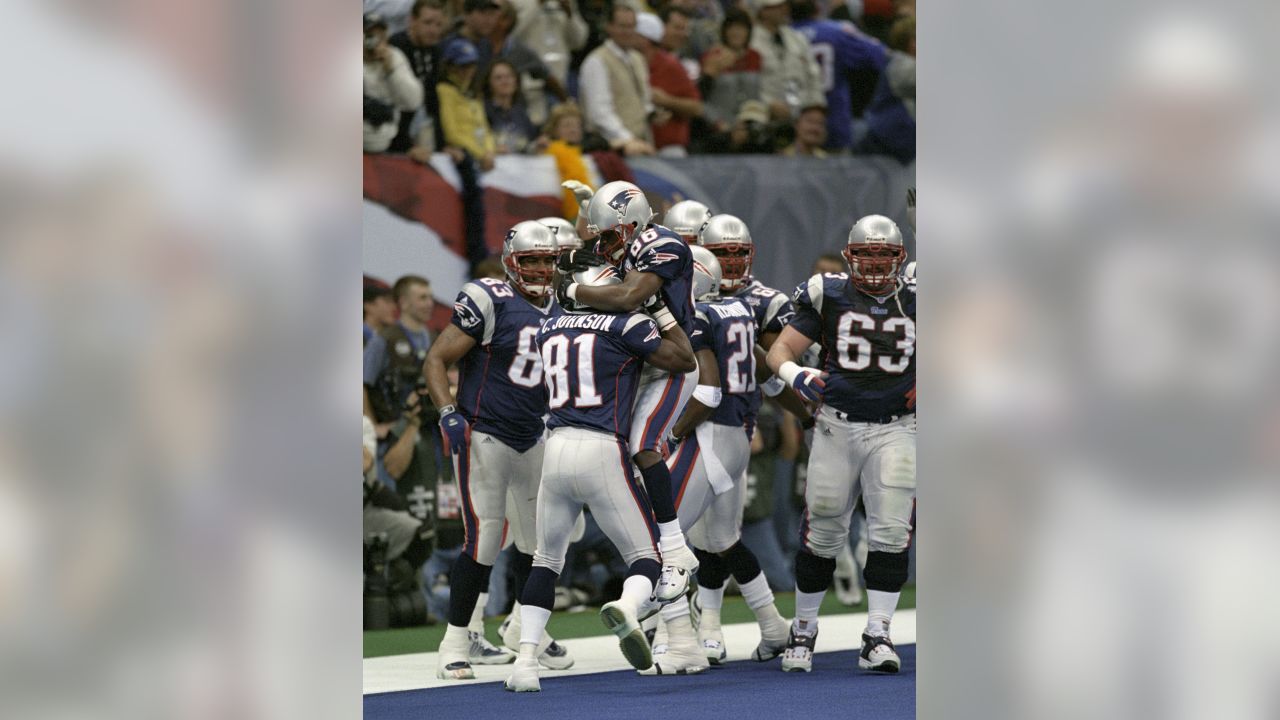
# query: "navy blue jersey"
{"points": [[773, 309], [660, 251], [869, 344], [592, 368], [840, 49], [728, 327], [500, 389]]}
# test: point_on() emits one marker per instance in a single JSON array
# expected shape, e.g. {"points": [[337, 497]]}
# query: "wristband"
{"points": [[789, 371], [708, 395], [664, 319], [773, 386], [572, 292], [447, 409]]}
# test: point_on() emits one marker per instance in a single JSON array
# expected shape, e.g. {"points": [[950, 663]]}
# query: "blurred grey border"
{"points": [[1100, 274], [180, 210]]}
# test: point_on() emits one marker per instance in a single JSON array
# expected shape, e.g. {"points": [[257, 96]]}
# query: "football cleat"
{"points": [[878, 655], [484, 652], [678, 567], [773, 641], [621, 621], [713, 648], [551, 654], [524, 676], [798, 654], [682, 655]]}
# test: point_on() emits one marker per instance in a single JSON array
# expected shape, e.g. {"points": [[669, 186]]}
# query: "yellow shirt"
{"points": [[463, 120], [569, 163]]}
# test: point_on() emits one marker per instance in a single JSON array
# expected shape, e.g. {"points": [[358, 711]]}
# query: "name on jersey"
{"points": [[581, 322], [732, 310]]}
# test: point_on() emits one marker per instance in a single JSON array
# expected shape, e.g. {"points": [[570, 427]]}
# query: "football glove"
{"points": [[581, 191], [455, 429], [573, 261], [807, 382]]}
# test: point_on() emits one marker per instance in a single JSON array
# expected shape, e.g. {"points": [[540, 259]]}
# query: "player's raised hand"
{"points": [[455, 429], [581, 191]]}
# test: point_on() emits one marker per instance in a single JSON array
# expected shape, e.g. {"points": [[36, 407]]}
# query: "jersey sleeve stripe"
{"points": [[485, 303], [815, 292]]}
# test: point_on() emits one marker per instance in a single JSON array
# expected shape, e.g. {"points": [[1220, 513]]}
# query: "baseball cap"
{"points": [[474, 5], [753, 111], [373, 20], [461, 52], [649, 26]]}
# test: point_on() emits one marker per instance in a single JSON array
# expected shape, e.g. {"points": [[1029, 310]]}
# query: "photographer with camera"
{"points": [[390, 86]]}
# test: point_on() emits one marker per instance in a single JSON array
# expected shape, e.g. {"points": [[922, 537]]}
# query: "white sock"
{"points": [[711, 598], [807, 605], [533, 623], [636, 590], [880, 607], [676, 610], [529, 651], [671, 537], [680, 634], [756, 592], [710, 621], [477, 614], [455, 639]]}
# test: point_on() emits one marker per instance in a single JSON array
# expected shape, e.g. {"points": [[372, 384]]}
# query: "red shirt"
{"points": [[667, 74]]}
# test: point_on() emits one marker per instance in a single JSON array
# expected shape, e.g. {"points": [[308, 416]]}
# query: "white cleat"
{"points": [[798, 655], [524, 676], [453, 666], [773, 641], [678, 567], [713, 647], [621, 621], [551, 654], [878, 655], [484, 652], [683, 654]]}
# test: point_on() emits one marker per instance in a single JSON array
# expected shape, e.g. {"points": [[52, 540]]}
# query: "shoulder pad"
{"points": [[485, 297]]}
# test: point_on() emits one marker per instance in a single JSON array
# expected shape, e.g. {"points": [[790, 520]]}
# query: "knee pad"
{"points": [[646, 567], [540, 589], [489, 540], [823, 539], [742, 563], [712, 569], [886, 571], [813, 573]]}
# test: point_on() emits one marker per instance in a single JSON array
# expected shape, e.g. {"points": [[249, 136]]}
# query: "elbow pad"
{"points": [[708, 395], [773, 386]]}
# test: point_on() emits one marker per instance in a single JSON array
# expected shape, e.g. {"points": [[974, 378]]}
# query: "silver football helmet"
{"points": [[566, 234], [530, 240], [615, 214], [594, 275], [706, 274], [875, 254], [728, 237], [686, 219]]}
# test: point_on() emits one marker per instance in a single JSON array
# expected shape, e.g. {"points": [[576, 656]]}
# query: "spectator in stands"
{"points": [[751, 131], [891, 117], [420, 43], [504, 108], [490, 267], [614, 87], [379, 310], [674, 93], [394, 12], [850, 61], [461, 112], [704, 18], [389, 86], [553, 30], [811, 133], [564, 130], [538, 85], [828, 263], [479, 18], [730, 71], [789, 79]]}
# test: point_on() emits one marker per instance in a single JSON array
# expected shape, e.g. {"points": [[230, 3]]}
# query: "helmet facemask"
{"points": [[533, 278], [874, 267], [612, 243], [735, 263]]}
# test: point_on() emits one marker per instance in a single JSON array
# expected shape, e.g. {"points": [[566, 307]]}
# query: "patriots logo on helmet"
{"points": [[511, 234], [624, 198], [696, 266], [466, 316]]}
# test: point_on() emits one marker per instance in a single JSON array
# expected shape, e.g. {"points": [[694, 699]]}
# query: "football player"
{"points": [[729, 239], [492, 429], [657, 274], [592, 364], [864, 444], [686, 219]]}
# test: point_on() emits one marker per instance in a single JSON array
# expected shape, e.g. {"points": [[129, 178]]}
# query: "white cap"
{"points": [[650, 26]]}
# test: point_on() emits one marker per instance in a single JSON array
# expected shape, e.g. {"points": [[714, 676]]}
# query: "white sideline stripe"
{"points": [[600, 654]]}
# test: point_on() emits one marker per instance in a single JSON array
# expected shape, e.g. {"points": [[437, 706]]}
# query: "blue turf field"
{"points": [[753, 691]]}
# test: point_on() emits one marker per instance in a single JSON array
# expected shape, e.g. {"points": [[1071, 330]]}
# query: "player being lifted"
{"points": [[493, 430], [865, 440], [657, 274], [592, 364]]}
